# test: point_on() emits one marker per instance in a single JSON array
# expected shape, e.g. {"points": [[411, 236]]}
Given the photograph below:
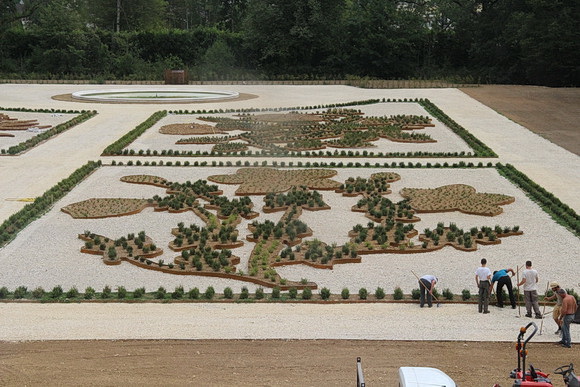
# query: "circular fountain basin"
{"points": [[156, 95]]}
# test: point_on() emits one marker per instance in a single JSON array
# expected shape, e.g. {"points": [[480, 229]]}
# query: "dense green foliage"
{"points": [[511, 41]]}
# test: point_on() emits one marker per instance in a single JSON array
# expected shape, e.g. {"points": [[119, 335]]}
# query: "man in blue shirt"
{"points": [[503, 278]]}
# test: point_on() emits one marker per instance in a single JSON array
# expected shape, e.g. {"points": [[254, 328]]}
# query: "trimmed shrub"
{"points": [[106, 292], [193, 294], [325, 293], [259, 293], [398, 294], [447, 294], [276, 292], [89, 293], [178, 293], [465, 294], [209, 293], [38, 293], [139, 292], [416, 294], [245, 294], [345, 294], [160, 293], [380, 293], [20, 292], [306, 294], [121, 292], [72, 293], [363, 294], [293, 293], [228, 293], [4, 292], [56, 292]]}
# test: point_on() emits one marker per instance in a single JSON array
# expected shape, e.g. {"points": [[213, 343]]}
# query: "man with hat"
{"points": [[566, 317], [556, 312]]}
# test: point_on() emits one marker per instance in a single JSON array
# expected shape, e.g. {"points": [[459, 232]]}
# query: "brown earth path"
{"points": [[262, 363], [552, 113]]}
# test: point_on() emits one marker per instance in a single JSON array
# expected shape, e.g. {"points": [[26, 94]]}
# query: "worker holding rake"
{"points": [[427, 284]]}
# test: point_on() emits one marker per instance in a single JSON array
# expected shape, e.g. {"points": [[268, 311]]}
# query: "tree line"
{"points": [[486, 41]]}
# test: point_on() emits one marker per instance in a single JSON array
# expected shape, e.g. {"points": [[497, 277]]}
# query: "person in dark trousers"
{"points": [[427, 284], [566, 317], [483, 282], [503, 278], [530, 281]]}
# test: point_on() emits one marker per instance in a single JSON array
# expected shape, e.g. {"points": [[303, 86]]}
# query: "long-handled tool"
{"points": [[544, 310], [430, 292], [518, 289]]}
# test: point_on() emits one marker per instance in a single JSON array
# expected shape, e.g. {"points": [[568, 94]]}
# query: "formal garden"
{"points": [[300, 219], [369, 129]]}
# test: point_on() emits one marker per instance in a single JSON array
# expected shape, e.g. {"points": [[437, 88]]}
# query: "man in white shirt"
{"points": [[427, 284], [530, 281], [483, 282]]}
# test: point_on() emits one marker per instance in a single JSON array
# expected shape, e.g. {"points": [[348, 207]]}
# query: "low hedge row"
{"points": [[300, 164], [58, 294], [559, 211], [117, 147], [18, 221], [33, 141]]}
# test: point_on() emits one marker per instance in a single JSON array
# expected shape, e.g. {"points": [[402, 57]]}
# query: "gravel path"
{"points": [[264, 321]]}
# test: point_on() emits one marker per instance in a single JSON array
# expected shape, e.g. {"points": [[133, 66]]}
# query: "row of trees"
{"points": [[512, 41]]}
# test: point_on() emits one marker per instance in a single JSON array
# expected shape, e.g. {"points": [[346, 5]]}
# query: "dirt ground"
{"points": [[263, 363], [552, 113]]}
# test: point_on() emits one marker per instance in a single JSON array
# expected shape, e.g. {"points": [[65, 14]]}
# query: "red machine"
{"points": [[533, 377]]}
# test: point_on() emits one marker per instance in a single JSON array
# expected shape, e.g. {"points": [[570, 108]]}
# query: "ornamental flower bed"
{"points": [[207, 250]]}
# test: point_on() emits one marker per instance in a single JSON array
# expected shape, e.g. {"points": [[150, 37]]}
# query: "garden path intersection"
{"points": [[33, 172]]}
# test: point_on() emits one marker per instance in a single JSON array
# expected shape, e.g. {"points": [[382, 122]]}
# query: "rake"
{"points": [[432, 295]]}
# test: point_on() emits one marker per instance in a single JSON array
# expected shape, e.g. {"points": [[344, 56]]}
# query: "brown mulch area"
{"points": [[189, 129], [264, 362], [553, 113]]}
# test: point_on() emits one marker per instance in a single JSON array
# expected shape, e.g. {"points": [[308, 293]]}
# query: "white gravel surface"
{"points": [[266, 321], [34, 259]]}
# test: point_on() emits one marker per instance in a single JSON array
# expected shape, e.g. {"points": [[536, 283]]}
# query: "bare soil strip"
{"points": [[264, 362]]}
